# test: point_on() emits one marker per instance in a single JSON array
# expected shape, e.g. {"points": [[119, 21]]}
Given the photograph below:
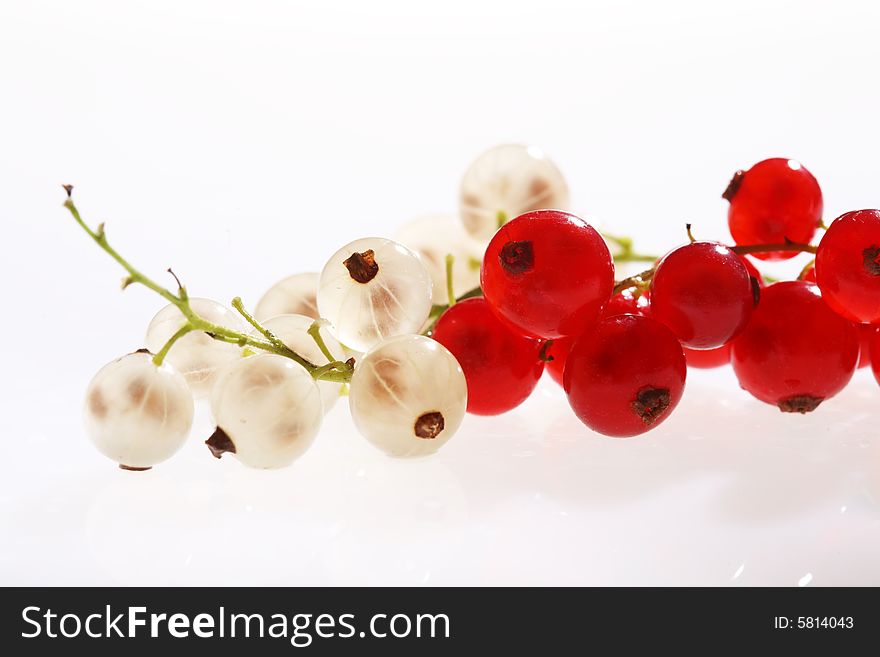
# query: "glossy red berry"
{"points": [[501, 367], [753, 272], [625, 375], [774, 201], [703, 292], [874, 354], [866, 331], [548, 273], [848, 265], [705, 359], [627, 302], [795, 352]]}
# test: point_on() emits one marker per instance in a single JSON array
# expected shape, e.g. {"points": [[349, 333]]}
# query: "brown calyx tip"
{"points": [[650, 403], [362, 267], [220, 443], [800, 404], [134, 468], [871, 260], [734, 185], [756, 290], [142, 350], [429, 425], [68, 189], [517, 257]]}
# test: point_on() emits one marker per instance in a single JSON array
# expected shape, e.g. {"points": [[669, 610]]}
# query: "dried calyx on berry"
{"points": [[362, 266]]}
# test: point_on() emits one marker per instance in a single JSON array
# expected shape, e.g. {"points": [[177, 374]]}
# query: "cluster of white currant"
{"points": [[359, 322]]}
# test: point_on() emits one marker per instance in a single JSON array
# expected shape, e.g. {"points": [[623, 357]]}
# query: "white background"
{"points": [[244, 141]]}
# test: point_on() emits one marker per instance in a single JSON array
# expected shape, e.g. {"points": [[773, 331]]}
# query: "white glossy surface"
{"points": [[184, 127]]}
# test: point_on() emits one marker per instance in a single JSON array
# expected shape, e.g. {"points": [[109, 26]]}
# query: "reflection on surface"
{"points": [[726, 491]]}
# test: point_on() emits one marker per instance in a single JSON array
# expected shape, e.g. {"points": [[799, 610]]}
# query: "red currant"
{"points": [[866, 331], [874, 354], [627, 302], [548, 273], [501, 367], [625, 375], [705, 359], [774, 201], [795, 352], [848, 265], [753, 272], [703, 292]]}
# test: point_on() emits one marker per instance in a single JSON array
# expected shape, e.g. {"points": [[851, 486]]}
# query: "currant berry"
{"points": [[703, 293], [408, 396], [548, 273], [435, 237], [753, 273], [625, 376], [138, 414], [373, 289], [795, 352], [501, 367], [627, 302], [268, 411], [866, 331], [874, 354], [774, 201], [704, 359], [848, 265], [196, 355], [509, 179], [294, 295], [293, 330]]}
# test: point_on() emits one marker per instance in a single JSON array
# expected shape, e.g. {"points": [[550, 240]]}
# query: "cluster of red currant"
{"points": [[401, 332]]}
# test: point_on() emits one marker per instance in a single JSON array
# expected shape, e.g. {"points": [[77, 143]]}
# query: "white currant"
{"points": [[408, 396], [374, 288], [294, 295], [196, 355], [267, 409], [136, 413], [509, 179], [434, 237]]}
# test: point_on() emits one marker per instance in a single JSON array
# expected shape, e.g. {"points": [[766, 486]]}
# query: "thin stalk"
{"points": [[159, 358], [339, 371], [450, 291]]}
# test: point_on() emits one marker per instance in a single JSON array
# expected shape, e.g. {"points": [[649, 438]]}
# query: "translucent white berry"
{"points": [[196, 355], [293, 330], [138, 414], [267, 409], [374, 288], [435, 236], [294, 295], [408, 396], [512, 179]]}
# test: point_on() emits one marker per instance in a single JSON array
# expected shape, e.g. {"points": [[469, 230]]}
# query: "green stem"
{"points": [[194, 322], [450, 292], [315, 332], [159, 358], [279, 346]]}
